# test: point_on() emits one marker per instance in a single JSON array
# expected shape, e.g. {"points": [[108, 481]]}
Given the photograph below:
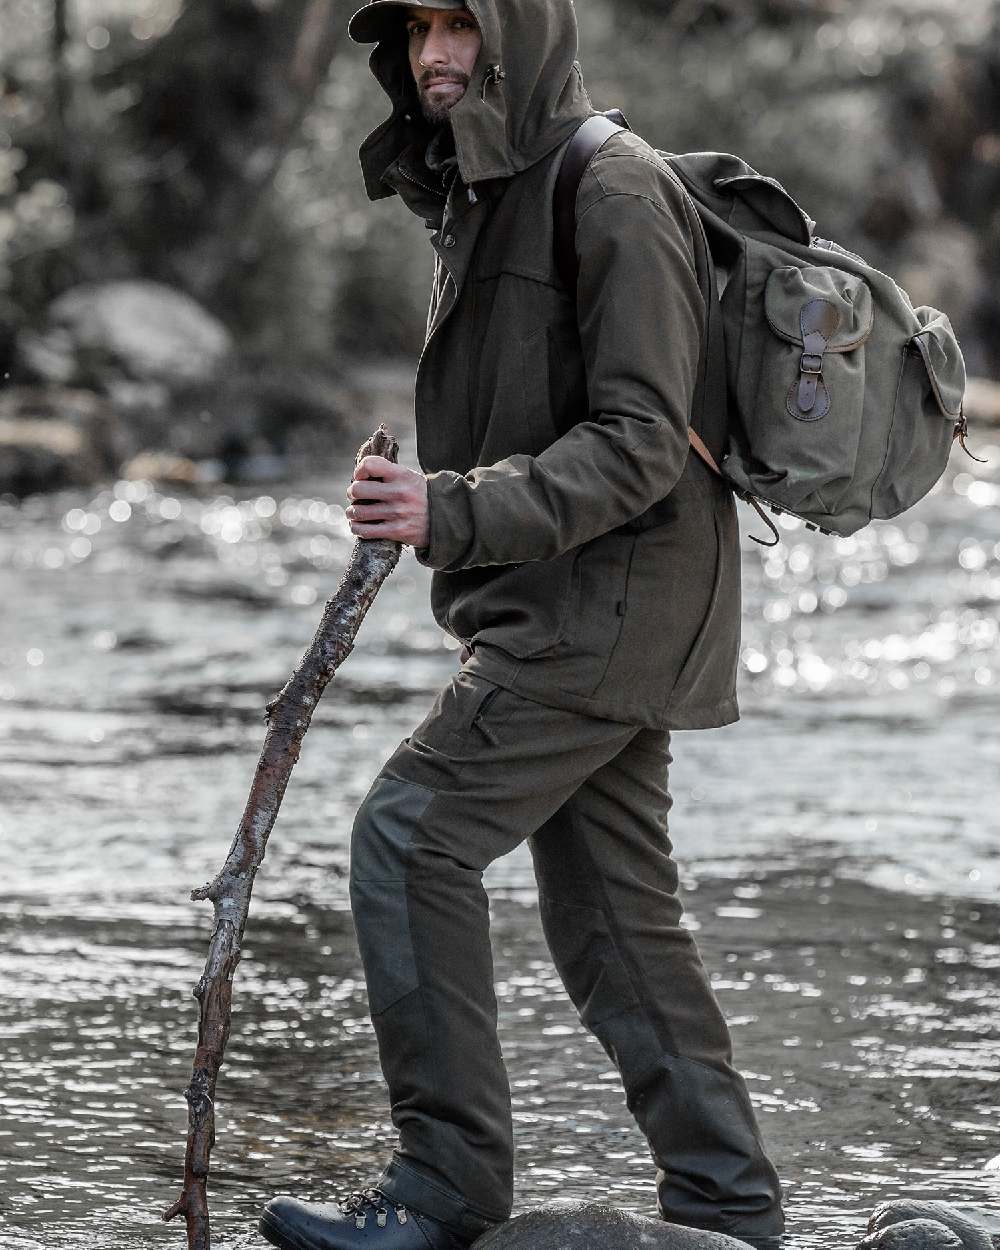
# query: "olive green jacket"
{"points": [[582, 553]]}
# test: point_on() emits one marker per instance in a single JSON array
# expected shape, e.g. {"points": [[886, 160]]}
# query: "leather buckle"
{"points": [[811, 363]]}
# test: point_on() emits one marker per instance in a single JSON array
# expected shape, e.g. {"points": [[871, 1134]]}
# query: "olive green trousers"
{"points": [[485, 770]]}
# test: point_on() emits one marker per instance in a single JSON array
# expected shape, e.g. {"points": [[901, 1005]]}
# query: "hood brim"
{"points": [[379, 19]]}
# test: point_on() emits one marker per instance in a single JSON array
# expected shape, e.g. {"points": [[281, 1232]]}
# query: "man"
{"points": [[590, 567]]}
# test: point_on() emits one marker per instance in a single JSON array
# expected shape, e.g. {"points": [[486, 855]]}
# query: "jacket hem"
{"points": [[524, 678]]}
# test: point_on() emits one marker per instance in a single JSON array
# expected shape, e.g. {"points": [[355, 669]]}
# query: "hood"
{"points": [[526, 96]]}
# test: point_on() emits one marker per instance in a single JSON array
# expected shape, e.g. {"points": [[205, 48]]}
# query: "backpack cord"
{"points": [[961, 433]]}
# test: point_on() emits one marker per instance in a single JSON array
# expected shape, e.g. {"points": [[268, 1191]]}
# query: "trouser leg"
{"points": [[608, 896], [484, 770]]}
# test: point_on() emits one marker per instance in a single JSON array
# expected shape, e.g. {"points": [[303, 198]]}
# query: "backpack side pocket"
{"points": [[927, 408]]}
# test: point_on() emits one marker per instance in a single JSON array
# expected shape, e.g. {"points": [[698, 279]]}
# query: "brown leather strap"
{"points": [[698, 446]]}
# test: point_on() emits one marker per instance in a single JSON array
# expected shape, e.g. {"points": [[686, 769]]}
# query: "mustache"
{"points": [[456, 76]]}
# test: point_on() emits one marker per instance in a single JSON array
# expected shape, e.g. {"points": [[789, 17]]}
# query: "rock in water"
{"points": [[914, 1224], [913, 1235], [594, 1226]]}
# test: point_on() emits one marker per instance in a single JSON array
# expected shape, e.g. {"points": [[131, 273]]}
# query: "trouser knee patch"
{"points": [[380, 854]]}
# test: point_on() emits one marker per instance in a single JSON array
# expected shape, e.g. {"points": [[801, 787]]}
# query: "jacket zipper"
{"points": [[430, 337], [423, 185]]}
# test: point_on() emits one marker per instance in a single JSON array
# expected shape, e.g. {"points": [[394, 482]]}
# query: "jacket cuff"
{"points": [[450, 526]]}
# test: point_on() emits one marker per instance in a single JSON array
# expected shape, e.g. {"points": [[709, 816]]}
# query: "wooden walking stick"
{"points": [[288, 716]]}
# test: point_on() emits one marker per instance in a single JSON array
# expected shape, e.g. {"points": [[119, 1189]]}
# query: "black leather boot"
{"points": [[367, 1220]]}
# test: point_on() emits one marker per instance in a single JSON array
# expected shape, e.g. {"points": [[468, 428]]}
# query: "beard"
{"points": [[436, 107]]}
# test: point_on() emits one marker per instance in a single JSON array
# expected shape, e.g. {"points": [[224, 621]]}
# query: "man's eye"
{"points": [[418, 28]]}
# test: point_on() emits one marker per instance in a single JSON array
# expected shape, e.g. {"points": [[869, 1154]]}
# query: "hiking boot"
{"points": [[367, 1220]]}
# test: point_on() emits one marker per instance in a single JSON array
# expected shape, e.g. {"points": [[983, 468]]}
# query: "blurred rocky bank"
{"points": [[136, 379], [190, 266]]}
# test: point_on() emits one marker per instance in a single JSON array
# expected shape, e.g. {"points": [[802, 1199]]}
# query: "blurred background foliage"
{"points": [[210, 146]]}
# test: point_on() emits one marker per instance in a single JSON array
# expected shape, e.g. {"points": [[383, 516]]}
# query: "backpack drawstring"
{"points": [[961, 433], [755, 504]]}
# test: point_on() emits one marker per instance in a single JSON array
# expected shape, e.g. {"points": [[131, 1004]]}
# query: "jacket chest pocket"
{"points": [[541, 378], [533, 398], [554, 381]]}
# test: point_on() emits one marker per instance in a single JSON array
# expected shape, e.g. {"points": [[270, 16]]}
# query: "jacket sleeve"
{"points": [[640, 314]]}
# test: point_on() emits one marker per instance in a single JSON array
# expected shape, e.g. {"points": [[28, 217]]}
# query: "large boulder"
{"points": [[594, 1226], [135, 329], [905, 1224]]}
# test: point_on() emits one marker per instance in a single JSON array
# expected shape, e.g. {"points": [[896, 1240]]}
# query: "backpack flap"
{"points": [[734, 193], [816, 312], [802, 399], [851, 310], [763, 203]]}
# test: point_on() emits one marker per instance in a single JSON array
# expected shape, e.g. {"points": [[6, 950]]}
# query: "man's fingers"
{"points": [[378, 466], [368, 489], [373, 512], [376, 531]]}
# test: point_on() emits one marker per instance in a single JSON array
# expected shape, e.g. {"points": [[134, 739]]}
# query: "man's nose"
{"points": [[435, 51]]}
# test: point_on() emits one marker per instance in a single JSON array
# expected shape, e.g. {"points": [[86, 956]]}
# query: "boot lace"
{"points": [[364, 1202]]}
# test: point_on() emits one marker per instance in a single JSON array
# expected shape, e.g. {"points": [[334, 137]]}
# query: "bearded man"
{"points": [[590, 566]]}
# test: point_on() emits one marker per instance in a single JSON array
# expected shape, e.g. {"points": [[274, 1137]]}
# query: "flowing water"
{"points": [[839, 850]]}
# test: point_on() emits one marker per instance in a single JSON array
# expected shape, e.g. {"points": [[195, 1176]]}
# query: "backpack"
{"points": [[842, 399]]}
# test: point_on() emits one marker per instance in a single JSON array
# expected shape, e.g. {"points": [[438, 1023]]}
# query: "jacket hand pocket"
{"points": [[524, 609], [708, 673]]}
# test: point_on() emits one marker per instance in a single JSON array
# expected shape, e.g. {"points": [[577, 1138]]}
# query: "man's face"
{"points": [[444, 45]]}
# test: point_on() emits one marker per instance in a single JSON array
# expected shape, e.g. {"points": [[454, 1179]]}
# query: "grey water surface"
{"points": [[839, 847]]}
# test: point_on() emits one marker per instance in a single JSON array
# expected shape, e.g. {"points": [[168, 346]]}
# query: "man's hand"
{"points": [[388, 501]]}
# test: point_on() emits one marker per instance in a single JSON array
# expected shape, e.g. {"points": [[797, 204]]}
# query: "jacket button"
{"points": [[449, 240]]}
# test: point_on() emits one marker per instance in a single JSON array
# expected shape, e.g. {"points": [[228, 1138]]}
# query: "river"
{"points": [[840, 868]]}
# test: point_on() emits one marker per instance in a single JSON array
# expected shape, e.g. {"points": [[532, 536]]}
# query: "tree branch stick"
{"points": [[288, 718]]}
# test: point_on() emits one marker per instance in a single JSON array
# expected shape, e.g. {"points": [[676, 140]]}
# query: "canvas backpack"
{"points": [[843, 400]]}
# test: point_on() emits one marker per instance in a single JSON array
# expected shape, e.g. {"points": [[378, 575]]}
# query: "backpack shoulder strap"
{"points": [[580, 151]]}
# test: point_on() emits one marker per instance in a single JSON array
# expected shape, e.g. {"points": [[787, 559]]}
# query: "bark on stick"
{"points": [[288, 718]]}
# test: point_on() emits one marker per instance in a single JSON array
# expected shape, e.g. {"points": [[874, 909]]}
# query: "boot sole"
{"points": [[280, 1235]]}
